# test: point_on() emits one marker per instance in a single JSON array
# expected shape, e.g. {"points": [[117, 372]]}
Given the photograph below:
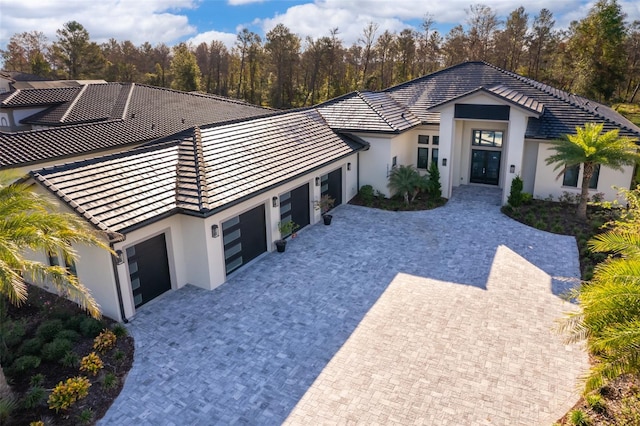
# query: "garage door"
{"points": [[332, 185], [294, 205], [148, 269], [244, 237]]}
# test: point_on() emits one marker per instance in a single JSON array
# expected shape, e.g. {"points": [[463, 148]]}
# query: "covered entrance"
{"points": [[244, 237], [332, 186], [485, 166], [294, 205], [148, 269]]}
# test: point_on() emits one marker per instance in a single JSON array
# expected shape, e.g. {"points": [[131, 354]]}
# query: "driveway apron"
{"points": [[438, 317]]}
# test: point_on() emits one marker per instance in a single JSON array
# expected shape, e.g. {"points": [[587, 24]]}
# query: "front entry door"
{"points": [[485, 166]]}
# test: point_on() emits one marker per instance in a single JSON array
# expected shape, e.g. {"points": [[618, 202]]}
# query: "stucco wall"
{"points": [[529, 164], [546, 183], [375, 163]]}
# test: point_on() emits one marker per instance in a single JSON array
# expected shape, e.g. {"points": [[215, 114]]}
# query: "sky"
{"points": [[196, 21]]}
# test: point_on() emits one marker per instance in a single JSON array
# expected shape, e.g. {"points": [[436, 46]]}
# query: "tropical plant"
{"points": [[326, 203], [610, 316], [286, 228], [590, 147], [67, 393], [30, 222], [406, 181]]}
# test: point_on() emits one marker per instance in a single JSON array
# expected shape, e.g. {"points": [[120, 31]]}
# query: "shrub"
{"points": [[13, 332], [67, 393], [109, 381], [104, 341], [31, 346], [70, 359], [85, 416], [90, 327], [596, 403], [74, 322], [366, 194], [56, 350], [434, 188], [91, 363], [71, 335], [48, 330], [120, 330], [118, 356], [36, 380], [25, 363], [579, 418], [37, 423], [7, 405], [526, 198], [515, 196], [35, 396]]}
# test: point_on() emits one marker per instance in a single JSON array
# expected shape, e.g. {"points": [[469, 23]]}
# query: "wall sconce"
{"points": [[444, 161], [274, 201], [215, 231], [119, 257], [317, 181], [348, 166], [512, 168]]}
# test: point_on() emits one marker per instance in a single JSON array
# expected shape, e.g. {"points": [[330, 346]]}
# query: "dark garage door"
{"points": [[332, 186], [148, 269], [294, 205], [244, 237]]}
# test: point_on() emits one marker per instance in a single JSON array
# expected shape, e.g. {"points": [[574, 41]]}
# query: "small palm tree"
{"points": [[29, 221], [406, 180], [590, 147], [610, 317]]}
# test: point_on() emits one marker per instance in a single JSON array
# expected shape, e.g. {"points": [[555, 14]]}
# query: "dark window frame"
{"points": [[424, 164], [479, 136], [570, 176]]}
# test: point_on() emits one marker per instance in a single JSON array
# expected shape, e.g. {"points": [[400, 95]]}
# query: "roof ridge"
{"points": [[125, 110], [380, 114], [201, 175], [73, 103], [11, 96]]}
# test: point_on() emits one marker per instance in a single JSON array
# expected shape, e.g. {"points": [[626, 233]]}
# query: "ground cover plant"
{"points": [[64, 367]]}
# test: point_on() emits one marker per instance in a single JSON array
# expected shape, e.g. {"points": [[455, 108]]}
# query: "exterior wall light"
{"points": [[348, 166], [215, 231], [317, 181], [444, 161], [274, 201], [512, 168], [119, 257]]}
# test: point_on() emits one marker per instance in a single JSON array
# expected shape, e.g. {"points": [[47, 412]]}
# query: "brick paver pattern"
{"points": [[438, 317]]}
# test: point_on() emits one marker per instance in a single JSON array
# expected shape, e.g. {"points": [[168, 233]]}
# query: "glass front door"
{"points": [[485, 166]]}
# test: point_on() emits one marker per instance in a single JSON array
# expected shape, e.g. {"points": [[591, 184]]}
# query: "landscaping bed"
{"points": [[46, 340], [422, 201]]}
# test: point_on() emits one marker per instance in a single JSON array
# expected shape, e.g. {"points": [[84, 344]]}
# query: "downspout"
{"points": [[114, 263], [358, 172]]}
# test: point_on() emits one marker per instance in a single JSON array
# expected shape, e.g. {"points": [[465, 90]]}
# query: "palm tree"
{"points": [[610, 317], [30, 222], [590, 147], [405, 180]]}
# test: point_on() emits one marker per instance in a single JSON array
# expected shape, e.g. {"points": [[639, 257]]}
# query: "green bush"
{"points": [[596, 403], [71, 335], [515, 196], [56, 350], [90, 327], [434, 189], [579, 418], [70, 359], [36, 380], [35, 396], [366, 194], [12, 333], [85, 417], [526, 198], [48, 330], [31, 346], [25, 363], [74, 322], [120, 330], [65, 394], [109, 381]]}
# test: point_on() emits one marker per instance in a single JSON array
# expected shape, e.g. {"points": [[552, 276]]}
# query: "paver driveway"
{"points": [[436, 317]]}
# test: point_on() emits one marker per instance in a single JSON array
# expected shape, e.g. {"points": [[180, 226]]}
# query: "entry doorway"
{"points": [[485, 166]]}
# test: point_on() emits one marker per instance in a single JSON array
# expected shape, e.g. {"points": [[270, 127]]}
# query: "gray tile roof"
{"points": [[562, 111], [114, 115], [199, 171], [511, 96], [39, 97], [368, 112]]}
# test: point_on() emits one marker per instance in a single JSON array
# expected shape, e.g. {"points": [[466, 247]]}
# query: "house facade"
{"points": [[190, 189]]}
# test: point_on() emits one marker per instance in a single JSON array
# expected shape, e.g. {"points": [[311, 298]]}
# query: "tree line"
{"points": [[597, 57]]}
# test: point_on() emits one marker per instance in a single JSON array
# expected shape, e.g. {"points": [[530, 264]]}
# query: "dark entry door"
{"points": [[148, 269], [332, 186], [294, 205], [485, 166], [244, 237]]}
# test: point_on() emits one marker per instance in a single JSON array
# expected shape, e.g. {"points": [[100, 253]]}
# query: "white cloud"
{"points": [[154, 21], [228, 39], [243, 2]]}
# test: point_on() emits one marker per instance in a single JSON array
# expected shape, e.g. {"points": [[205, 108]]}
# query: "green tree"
{"points": [[26, 52], [283, 47], [610, 315], [31, 222], [588, 148], [75, 53], [184, 69], [406, 181], [598, 43]]}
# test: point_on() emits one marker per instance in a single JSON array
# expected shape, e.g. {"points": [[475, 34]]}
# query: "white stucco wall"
{"points": [[529, 164], [375, 163], [546, 183]]}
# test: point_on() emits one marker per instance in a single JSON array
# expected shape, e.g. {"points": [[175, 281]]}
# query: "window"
{"points": [[436, 140], [423, 139], [593, 183], [53, 259], [434, 156], [394, 162], [571, 176], [423, 158], [71, 267], [487, 138]]}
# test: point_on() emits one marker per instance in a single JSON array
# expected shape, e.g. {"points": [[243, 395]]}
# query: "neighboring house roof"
{"points": [[562, 111], [199, 172], [367, 112], [111, 115], [21, 76]]}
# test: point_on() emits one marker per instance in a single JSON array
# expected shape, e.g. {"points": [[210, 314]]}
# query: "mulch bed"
{"points": [[422, 202]]}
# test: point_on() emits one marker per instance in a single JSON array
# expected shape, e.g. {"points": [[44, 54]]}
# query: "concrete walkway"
{"points": [[436, 317]]}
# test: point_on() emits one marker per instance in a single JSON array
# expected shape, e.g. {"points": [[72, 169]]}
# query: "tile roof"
{"points": [[112, 115], [199, 171], [367, 112], [562, 111]]}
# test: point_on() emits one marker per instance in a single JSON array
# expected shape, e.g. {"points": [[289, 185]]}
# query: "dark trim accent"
{"points": [[114, 264], [482, 112]]}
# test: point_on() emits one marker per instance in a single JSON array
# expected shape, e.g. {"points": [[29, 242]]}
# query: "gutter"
{"points": [[114, 264]]}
